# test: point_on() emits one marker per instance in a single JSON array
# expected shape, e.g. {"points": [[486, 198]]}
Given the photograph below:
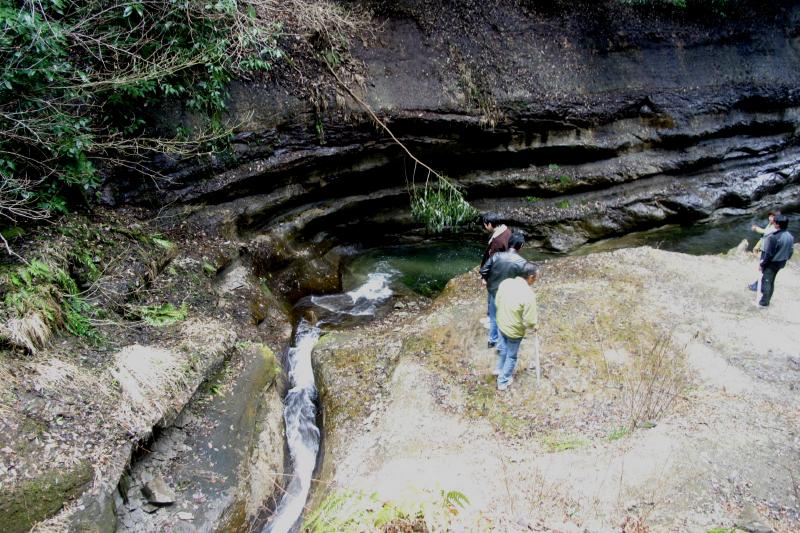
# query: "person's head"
{"points": [[781, 221], [516, 241], [530, 272], [490, 221], [771, 216]]}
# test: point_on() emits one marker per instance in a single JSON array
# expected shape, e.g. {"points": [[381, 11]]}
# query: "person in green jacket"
{"points": [[516, 313]]}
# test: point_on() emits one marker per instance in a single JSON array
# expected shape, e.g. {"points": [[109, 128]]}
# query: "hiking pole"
{"points": [[758, 287], [536, 361]]}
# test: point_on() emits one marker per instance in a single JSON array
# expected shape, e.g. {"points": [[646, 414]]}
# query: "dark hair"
{"points": [[529, 269], [516, 240], [773, 214], [782, 221], [492, 219]]}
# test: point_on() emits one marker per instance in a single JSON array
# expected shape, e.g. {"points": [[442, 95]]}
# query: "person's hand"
{"points": [[754, 227], [483, 282]]}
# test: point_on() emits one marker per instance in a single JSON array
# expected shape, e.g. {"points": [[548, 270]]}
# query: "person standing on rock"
{"points": [[778, 248], [498, 242], [766, 230], [499, 267], [516, 313], [769, 229]]}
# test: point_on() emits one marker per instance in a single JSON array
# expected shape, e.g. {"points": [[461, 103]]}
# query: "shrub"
{"points": [[655, 379], [440, 205]]}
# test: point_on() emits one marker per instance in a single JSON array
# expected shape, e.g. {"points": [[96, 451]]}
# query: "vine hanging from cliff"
{"points": [[438, 203]]}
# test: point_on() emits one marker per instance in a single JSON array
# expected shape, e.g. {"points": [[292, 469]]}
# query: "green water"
{"points": [[426, 268], [696, 239], [423, 268]]}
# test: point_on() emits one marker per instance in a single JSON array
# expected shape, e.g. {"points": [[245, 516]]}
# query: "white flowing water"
{"points": [[300, 412], [362, 301], [302, 433]]}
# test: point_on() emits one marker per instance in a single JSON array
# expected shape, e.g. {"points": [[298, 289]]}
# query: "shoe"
{"points": [[505, 385], [753, 287], [495, 372], [762, 306], [491, 344]]}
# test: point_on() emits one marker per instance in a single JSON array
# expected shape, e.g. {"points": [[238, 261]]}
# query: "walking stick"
{"points": [[536, 360], [758, 287]]}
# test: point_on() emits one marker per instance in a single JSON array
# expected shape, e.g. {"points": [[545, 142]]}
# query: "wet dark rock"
{"points": [[596, 132]]}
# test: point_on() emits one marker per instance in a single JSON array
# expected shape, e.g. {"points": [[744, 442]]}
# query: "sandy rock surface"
{"points": [[728, 443]]}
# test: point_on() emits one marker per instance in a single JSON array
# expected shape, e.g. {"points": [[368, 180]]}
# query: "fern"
{"points": [[454, 499]]}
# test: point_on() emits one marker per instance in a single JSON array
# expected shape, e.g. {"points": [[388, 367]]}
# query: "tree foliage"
{"points": [[77, 79]]}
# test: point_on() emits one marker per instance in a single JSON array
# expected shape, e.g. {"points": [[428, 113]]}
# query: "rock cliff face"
{"points": [[575, 121]]}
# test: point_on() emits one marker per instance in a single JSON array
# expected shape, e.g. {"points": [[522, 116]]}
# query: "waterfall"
{"points": [[300, 412], [302, 433]]}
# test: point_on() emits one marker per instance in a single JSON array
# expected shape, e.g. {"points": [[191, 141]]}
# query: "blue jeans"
{"points": [[494, 333], [508, 358]]}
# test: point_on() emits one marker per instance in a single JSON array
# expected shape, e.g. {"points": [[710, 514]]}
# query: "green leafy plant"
{"points": [[209, 269], [532, 199], [562, 204], [163, 243], [39, 298], [163, 315], [618, 433], [440, 205], [79, 80]]}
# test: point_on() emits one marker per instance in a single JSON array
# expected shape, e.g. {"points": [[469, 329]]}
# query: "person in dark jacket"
{"points": [[498, 242], [778, 248], [499, 267]]}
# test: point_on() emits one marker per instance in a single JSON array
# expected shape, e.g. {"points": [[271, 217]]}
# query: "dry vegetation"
{"points": [[606, 364]]}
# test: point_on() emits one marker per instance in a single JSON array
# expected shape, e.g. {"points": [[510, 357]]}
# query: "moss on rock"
{"points": [[31, 501]]}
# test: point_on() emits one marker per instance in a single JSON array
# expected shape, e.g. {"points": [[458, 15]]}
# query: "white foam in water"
{"points": [[361, 301], [302, 433], [300, 413]]}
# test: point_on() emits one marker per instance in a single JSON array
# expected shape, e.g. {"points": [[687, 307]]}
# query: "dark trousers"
{"points": [[768, 274]]}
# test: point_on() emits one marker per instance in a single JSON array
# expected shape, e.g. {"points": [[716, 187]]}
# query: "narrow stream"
{"points": [[300, 404], [302, 433], [425, 269]]}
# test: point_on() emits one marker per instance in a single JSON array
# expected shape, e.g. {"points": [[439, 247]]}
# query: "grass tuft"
{"points": [[164, 314]]}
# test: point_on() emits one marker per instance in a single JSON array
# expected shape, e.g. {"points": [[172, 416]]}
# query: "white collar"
{"points": [[497, 231]]}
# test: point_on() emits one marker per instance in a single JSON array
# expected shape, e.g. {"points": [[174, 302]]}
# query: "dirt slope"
{"points": [[555, 458]]}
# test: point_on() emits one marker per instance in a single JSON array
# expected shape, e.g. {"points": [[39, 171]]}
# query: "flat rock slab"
{"points": [[158, 492]]}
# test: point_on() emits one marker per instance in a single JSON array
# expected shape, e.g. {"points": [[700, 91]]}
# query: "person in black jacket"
{"points": [[501, 266], [778, 248]]}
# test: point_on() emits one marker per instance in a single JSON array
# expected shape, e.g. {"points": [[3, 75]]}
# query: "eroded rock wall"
{"points": [[575, 121]]}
